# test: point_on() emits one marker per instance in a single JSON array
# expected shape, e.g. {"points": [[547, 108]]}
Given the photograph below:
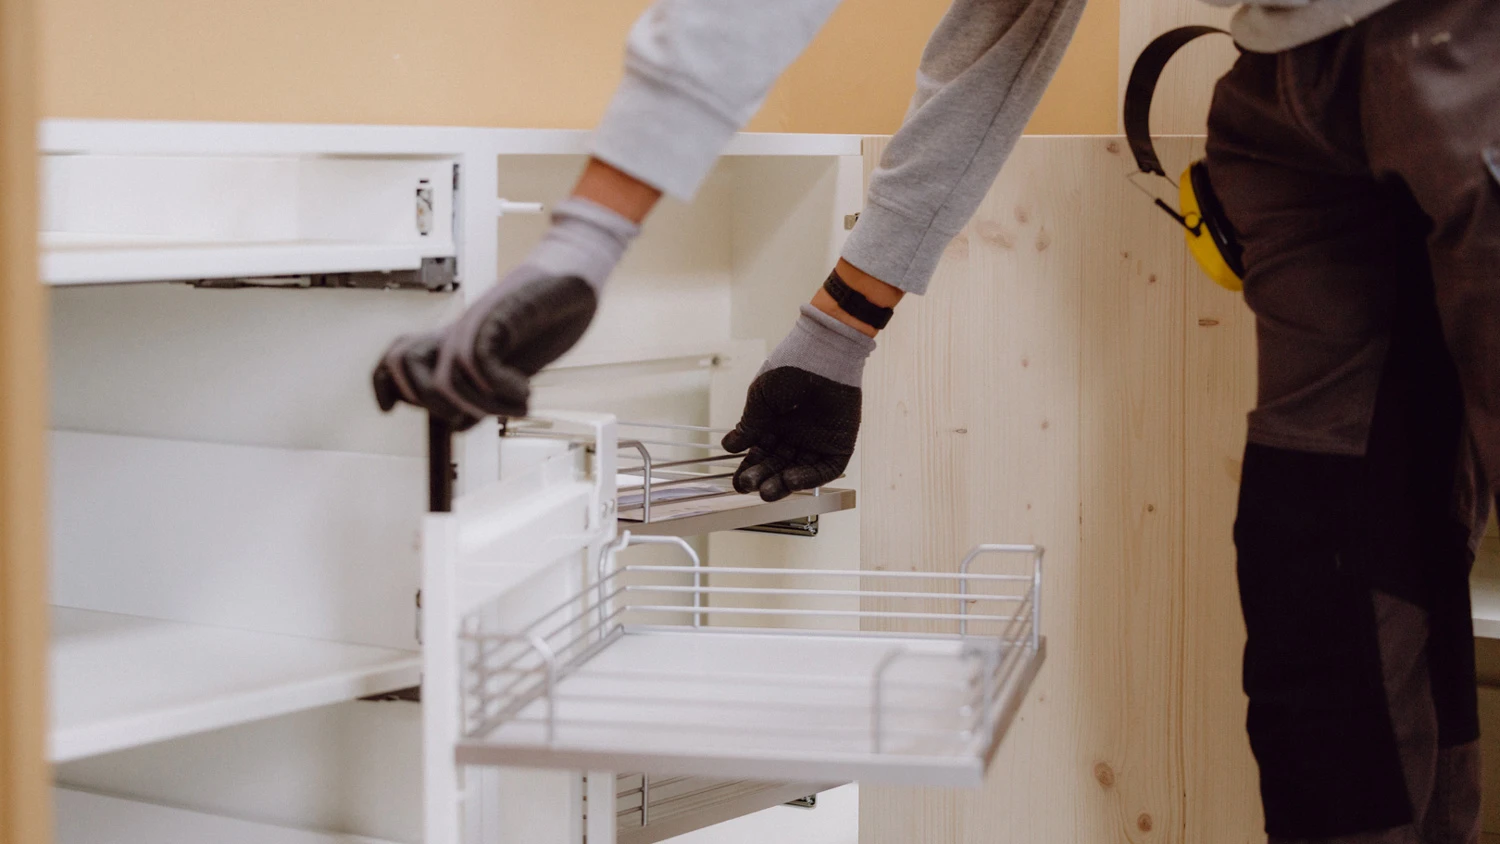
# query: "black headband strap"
{"points": [[1142, 88]]}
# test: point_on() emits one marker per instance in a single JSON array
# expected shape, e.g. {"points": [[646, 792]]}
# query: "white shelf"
{"points": [[84, 818], [119, 681], [71, 258]]}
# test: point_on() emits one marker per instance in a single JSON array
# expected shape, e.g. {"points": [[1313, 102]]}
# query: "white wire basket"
{"points": [[674, 480], [908, 677]]}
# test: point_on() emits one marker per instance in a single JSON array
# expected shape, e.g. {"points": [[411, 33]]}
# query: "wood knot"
{"points": [[1150, 508], [1046, 424], [1104, 774], [1043, 241], [1151, 279], [960, 430], [1022, 215], [992, 232], [1025, 362], [1207, 322], [1143, 823], [1113, 147]]}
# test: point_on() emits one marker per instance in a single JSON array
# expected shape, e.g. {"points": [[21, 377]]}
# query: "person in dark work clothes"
{"points": [[1355, 147]]}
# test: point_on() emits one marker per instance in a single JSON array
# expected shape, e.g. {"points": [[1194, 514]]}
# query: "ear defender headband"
{"points": [[1210, 236]]}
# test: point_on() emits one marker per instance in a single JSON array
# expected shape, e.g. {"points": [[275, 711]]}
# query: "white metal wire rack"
{"points": [[674, 480], [891, 676]]}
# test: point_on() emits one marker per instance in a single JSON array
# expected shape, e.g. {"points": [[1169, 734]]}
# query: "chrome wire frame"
{"points": [[647, 464], [999, 633]]}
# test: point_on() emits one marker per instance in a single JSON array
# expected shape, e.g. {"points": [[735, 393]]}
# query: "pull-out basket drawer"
{"points": [[908, 677]]}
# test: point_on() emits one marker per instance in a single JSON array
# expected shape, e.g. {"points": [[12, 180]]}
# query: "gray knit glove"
{"points": [[481, 365], [802, 412]]}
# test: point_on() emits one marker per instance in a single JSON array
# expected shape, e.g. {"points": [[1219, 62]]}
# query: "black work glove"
{"points": [[482, 364], [802, 412]]}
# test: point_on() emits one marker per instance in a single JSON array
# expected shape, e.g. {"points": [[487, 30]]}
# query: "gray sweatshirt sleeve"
{"points": [[695, 72], [982, 75]]}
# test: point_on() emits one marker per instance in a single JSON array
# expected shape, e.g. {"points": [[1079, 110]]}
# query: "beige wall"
{"points": [[529, 63]]}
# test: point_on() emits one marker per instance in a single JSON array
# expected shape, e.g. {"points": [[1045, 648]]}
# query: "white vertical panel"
{"points": [[287, 368], [307, 543]]}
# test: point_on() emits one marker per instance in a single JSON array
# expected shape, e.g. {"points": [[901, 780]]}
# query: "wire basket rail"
{"points": [[674, 480], [890, 676]]}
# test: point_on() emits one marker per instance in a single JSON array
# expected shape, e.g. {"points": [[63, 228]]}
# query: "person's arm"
{"points": [[696, 71], [982, 74]]}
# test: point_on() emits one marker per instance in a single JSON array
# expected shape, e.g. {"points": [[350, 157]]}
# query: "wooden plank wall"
{"points": [[1219, 389], [1071, 380], [25, 795]]}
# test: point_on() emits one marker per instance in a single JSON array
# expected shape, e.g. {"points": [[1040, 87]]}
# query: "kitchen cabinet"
{"points": [[239, 543]]}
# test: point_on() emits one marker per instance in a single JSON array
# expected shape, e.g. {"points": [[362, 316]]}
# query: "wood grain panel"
{"points": [[1222, 801], [1036, 395], [1187, 85], [1130, 469], [1489, 749], [25, 796]]}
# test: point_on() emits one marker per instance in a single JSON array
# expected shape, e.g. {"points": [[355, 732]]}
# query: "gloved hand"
{"points": [[481, 365], [802, 412]]}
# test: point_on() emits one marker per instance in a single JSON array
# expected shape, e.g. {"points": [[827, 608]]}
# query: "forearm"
{"points": [[695, 72], [982, 75]]}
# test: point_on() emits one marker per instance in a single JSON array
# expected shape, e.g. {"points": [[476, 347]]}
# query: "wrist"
{"points": [[874, 291], [823, 302], [604, 184]]}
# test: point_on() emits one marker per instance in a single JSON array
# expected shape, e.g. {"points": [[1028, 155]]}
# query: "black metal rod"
{"points": [[439, 465]]}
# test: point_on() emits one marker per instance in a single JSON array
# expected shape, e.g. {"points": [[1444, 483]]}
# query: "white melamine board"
{"points": [[787, 232], [66, 260], [119, 681], [287, 368], [671, 289], [134, 218], [84, 818], [203, 198], [304, 543], [207, 138], [354, 767], [367, 198]]}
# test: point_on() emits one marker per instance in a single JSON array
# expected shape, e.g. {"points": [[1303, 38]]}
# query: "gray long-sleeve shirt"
{"points": [[697, 70]]}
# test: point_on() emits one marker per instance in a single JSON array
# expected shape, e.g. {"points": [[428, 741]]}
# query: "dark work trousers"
{"points": [[1362, 174]]}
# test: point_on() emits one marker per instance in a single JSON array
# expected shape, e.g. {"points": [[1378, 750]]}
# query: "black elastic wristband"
{"points": [[855, 304]]}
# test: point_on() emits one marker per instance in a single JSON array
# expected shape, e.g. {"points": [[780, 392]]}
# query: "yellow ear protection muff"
{"points": [[1210, 236]]}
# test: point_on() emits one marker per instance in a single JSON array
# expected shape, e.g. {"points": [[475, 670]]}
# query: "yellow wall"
{"points": [[25, 787], [531, 63]]}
